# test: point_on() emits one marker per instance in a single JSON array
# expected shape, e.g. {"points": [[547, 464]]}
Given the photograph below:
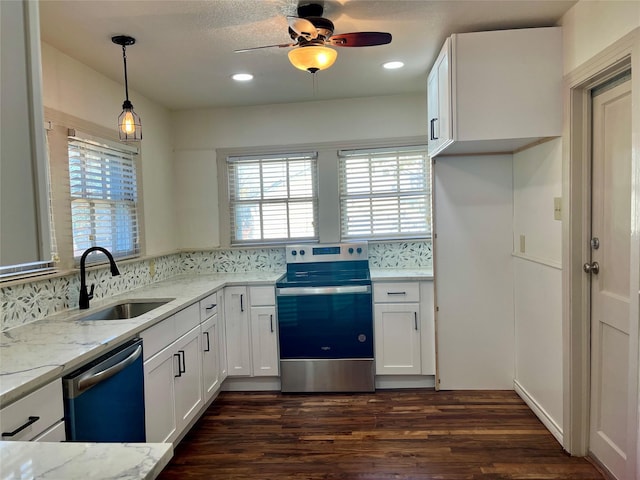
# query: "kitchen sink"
{"points": [[126, 310]]}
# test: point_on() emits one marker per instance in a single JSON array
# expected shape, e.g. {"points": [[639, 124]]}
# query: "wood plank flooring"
{"points": [[390, 434]]}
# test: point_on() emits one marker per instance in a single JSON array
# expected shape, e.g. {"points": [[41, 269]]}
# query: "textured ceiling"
{"points": [[184, 55]]}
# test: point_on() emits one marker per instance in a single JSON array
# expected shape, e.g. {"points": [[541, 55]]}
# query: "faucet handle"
{"points": [[90, 295]]}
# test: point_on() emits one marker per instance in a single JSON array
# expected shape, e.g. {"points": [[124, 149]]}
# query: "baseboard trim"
{"points": [[384, 382], [540, 412], [251, 384]]}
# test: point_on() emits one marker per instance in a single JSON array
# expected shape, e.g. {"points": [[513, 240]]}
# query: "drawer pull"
{"points": [[210, 307], [179, 369], [396, 293], [28, 423], [271, 322], [415, 320], [208, 345]]}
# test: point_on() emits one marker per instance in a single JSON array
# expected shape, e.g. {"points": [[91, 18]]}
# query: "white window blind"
{"points": [[385, 193], [273, 198], [104, 194]]}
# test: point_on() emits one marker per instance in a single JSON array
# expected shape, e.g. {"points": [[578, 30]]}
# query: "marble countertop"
{"points": [[86, 461], [34, 354], [401, 274]]}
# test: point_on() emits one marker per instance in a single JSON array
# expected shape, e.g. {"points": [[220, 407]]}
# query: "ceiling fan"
{"points": [[312, 34]]}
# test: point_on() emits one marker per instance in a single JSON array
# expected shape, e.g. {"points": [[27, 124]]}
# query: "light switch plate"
{"points": [[557, 208]]}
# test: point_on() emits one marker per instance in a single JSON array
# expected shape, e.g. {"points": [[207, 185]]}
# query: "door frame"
{"points": [[576, 222]]}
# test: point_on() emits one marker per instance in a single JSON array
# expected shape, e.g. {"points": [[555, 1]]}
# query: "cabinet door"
{"points": [[222, 339], [210, 357], [237, 331], [159, 396], [188, 382], [439, 102], [397, 338], [264, 341]]}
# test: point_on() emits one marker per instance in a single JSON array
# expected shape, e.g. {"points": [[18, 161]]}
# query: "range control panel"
{"points": [[332, 252]]}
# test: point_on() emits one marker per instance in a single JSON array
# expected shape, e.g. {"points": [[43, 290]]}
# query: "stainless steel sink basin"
{"points": [[126, 310]]}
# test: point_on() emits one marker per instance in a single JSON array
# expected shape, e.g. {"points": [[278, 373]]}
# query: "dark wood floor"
{"points": [[401, 434]]}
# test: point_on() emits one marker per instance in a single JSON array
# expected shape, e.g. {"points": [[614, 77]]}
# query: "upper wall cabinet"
{"points": [[494, 92]]}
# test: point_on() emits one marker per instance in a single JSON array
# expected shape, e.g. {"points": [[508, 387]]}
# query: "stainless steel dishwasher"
{"points": [[104, 400]]}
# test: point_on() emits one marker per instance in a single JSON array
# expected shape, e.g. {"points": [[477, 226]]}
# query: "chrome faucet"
{"points": [[85, 296]]}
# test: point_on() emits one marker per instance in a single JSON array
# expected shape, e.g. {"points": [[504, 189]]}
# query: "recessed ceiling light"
{"points": [[393, 65], [242, 77]]}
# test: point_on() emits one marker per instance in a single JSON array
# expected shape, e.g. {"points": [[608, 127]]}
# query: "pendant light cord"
{"points": [[126, 83]]}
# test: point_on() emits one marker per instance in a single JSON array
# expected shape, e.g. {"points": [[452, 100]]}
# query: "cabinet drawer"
{"points": [[157, 337], [38, 410], [208, 306], [187, 319], [262, 296], [397, 292], [56, 433]]}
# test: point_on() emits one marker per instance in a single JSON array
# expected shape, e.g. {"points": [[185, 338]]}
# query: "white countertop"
{"points": [[90, 461], [401, 274]]}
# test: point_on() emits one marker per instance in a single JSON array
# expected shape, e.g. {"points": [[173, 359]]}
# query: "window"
{"points": [[103, 195], [385, 193], [273, 198]]}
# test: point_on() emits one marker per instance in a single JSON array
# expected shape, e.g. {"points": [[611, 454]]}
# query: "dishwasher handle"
{"points": [[91, 378]]}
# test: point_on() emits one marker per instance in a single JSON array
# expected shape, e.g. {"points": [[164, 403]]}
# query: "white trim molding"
{"points": [[541, 413]]}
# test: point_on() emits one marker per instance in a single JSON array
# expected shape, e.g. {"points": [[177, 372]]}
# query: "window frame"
{"points": [[234, 199], [376, 158]]}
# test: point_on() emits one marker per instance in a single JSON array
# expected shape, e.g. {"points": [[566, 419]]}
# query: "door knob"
{"points": [[591, 268]]}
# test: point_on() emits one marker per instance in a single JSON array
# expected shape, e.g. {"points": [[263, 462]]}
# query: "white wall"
{"points": [[73, 88], [198, 133], [537, 277], [590, 26]]}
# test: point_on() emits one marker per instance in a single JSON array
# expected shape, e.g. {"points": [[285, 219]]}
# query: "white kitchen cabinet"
{"points": [[495, 91], [397, 323], [238, 334], [172, 375], [439, 101], [404, 328], [264, 341], [222, 338], [210, 346], [188, 381], [36, 417]]}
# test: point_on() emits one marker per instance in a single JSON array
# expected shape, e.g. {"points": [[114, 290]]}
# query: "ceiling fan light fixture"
{"points": [[242, 77], [312, 58]]}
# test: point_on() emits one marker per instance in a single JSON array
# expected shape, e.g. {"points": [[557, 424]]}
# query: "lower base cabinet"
{"points": [[173, 377]]}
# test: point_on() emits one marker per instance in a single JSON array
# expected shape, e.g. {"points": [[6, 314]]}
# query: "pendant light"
{"points": [[129, 126]]}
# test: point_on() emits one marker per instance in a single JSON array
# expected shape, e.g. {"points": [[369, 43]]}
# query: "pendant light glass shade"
{"points": [[312, 58], [129, 124]]}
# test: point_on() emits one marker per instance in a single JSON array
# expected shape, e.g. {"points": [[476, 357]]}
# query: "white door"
{"points": [[610, 225]]}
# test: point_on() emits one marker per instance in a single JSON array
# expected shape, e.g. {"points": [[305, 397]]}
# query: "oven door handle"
{"points": [[324, 290]]}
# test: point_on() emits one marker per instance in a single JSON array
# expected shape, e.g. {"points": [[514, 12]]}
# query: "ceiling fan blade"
{"points": [[303, 27], [281, 45], [360, 39]]}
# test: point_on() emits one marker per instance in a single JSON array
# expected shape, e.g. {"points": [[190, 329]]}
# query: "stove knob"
{"points": [[359, 250], [350, 251], [294, 253], [301, 252]]}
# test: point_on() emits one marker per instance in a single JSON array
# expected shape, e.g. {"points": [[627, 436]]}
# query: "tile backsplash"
{"points": [[28, 302]]}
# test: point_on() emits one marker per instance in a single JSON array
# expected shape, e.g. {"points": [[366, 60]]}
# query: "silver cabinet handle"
{"points": [[415, 320]]}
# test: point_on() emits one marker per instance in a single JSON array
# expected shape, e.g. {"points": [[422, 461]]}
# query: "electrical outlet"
{"points": [[522, 247], [152, 267], [557, 208]]}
